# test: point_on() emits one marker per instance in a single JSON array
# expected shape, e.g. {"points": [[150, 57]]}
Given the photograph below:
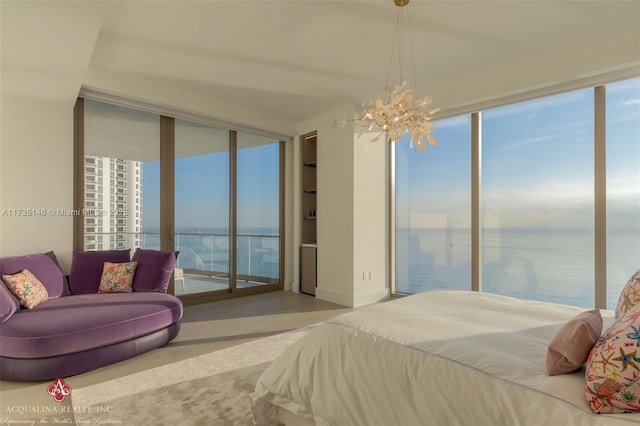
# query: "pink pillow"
{"points": [[117, 277], [27, 288], [570, 347]]}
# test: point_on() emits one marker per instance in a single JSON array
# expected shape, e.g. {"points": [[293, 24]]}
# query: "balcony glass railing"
{"points": [[258, 255]]}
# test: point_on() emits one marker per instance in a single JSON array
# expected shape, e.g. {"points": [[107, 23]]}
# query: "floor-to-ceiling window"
{"points": [[433, 230], [537, 199], [225, 188], [623, 185], [121, 188]]}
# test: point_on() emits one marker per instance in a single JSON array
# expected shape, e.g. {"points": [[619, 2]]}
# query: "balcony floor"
{"points": [[194, 284]]}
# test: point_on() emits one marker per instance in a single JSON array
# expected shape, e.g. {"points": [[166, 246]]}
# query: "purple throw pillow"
{"points": [[9, 305], [154, 269], [86, 268], [44, 266], [65, 284]]}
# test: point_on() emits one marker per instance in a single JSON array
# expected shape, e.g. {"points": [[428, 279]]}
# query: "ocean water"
{"points": [[207, 249], [554, 265]]}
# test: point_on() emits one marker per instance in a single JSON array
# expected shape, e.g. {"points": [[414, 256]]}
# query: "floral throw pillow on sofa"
{"points": [[87, 268], [27, 288], [117, 277]]}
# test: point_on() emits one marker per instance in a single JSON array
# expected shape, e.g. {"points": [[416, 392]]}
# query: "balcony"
{"points": [[204, 258]]}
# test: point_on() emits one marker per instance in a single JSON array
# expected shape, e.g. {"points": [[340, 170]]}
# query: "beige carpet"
{"points": [[211, 389]]}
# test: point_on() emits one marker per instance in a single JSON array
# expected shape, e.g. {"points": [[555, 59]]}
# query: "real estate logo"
{"points": [[59, 390]]}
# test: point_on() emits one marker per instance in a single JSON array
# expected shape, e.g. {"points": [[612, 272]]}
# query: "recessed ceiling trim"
{"points": [[581, 82], [98, 95]]}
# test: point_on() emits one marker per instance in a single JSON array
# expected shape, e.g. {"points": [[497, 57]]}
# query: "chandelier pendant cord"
{"points": [[413, 62], [398, 39], [401, 41], [396, 35], [402, 114]]}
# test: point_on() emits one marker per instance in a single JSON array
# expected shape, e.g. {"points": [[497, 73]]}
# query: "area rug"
{"points": [[210, 389]]}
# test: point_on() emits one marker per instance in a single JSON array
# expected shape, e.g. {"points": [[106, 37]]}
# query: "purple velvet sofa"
{"points": [[78, 329]]}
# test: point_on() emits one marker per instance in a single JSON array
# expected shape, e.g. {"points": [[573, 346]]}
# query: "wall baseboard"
{"points": [[369, 297], [337, 297], [350, 300]]}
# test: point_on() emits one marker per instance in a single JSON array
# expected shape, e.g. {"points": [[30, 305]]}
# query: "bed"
{"points": [[434, 358]]}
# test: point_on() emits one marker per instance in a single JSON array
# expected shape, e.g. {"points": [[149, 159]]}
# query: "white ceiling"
{"points": [[297, 59]]}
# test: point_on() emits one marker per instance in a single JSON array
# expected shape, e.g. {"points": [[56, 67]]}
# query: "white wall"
{"points": [[46, 48], [370, 221], [36, 172], [352, 212], [334, 206]]}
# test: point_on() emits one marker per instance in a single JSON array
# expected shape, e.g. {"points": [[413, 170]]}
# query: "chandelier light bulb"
{"points": [[402, 113]]}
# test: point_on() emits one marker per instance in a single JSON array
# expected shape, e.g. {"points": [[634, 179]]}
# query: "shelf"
{"points": [[307, 212]]}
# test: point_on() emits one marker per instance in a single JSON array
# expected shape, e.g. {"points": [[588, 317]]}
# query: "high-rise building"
{"points": [[112, 203]]}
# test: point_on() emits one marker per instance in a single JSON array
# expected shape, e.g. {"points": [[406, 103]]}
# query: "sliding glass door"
{"points": [[157, 182], [258, 210], [201, 207]]}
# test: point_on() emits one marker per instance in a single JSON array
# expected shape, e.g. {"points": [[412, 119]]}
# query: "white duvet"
{"points": [[434, 358]]}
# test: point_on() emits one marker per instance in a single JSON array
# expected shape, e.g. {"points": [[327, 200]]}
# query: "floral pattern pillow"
{"points": [[27, 288], [613, 367], [117, 277], [630, 295]]}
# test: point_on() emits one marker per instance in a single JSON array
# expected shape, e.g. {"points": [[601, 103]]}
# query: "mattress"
{"points": [[434, 358]]}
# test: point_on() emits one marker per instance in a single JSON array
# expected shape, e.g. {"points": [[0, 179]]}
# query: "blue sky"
{"points": [[537, 165], [537, 170], [202, 189]]}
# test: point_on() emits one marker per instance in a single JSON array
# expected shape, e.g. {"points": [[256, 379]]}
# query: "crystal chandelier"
{"points": [[401, 112]]}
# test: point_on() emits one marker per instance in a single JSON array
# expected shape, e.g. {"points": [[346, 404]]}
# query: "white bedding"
{"points": [[434, 358]]}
